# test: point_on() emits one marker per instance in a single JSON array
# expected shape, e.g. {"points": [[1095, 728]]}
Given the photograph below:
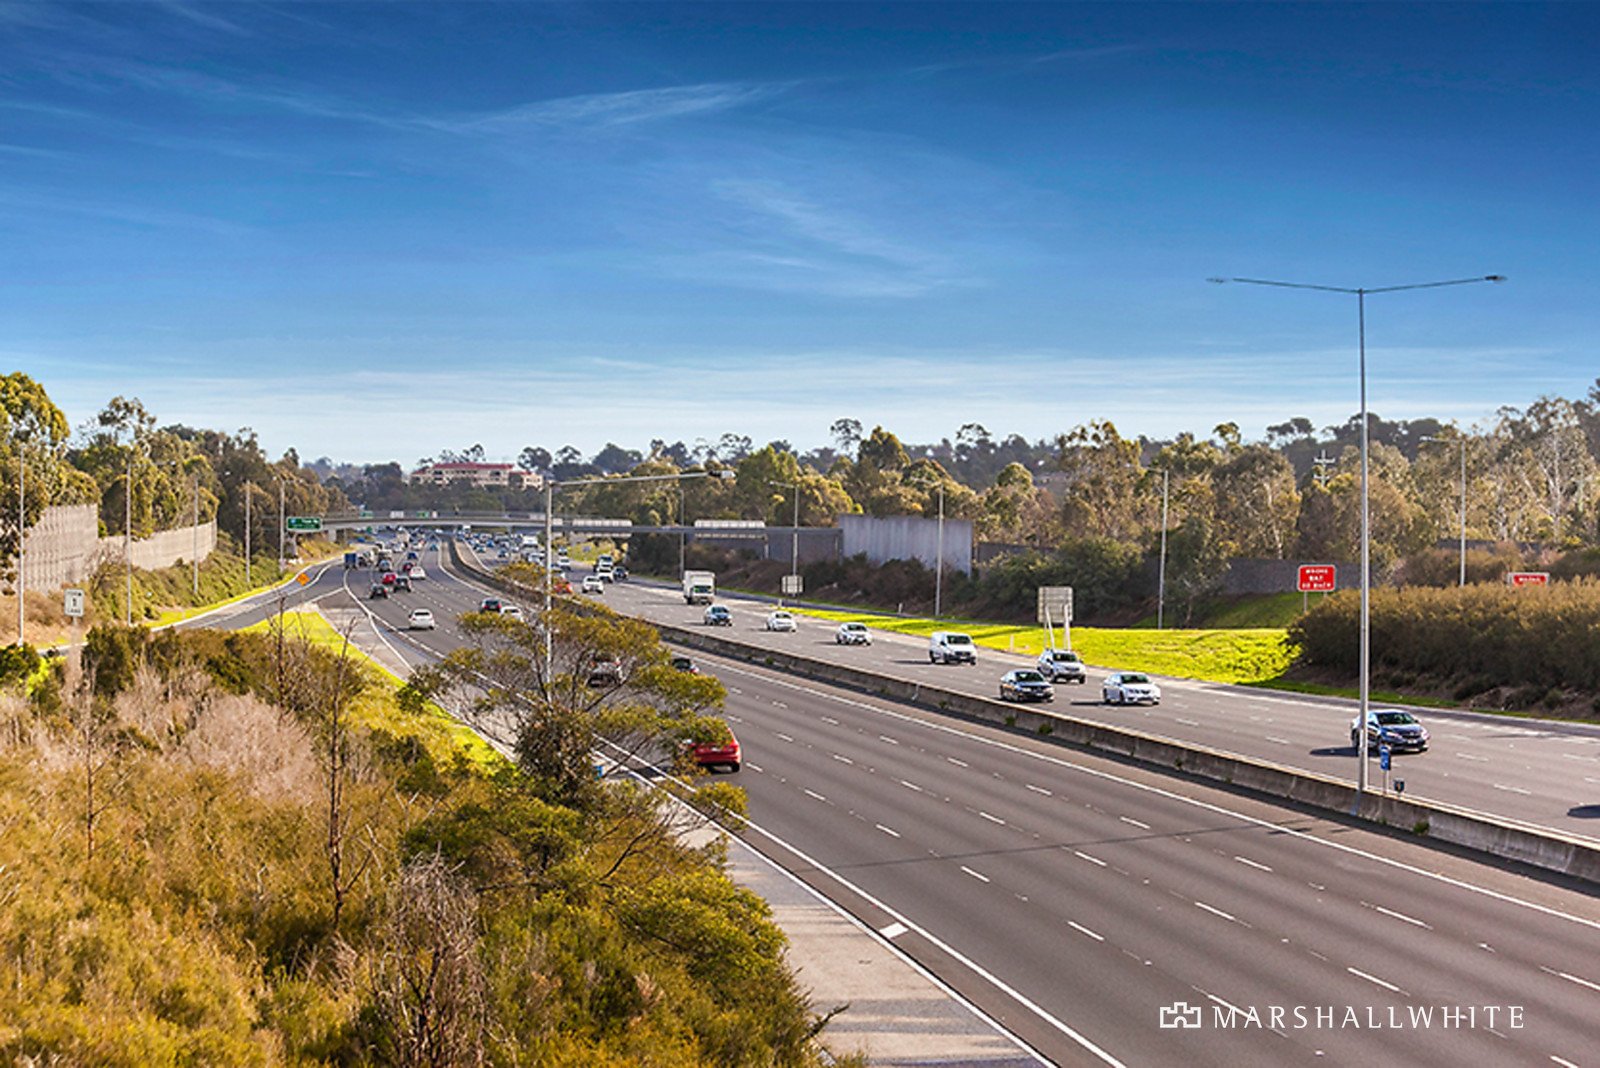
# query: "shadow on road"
{"points": [[1584, 812]]}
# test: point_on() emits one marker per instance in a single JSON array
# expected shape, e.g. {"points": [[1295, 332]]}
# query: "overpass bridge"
{"points": [[534, 523]]}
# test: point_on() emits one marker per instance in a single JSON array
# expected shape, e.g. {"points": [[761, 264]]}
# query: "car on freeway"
{"points": [[1393, 727], [420, 619], [1026, 684], [1062, 665], [605, 572], [723, 753], [491, 604], [1129, 687], [417, 573], [385, 564], [402, 584], [562, 586], [513, 612], [951, 647], [594, 584], [378, 590], [852, 634], [619, 573], [685, 664], [717, 615], [605, 671], [780, 621], [389, 578]]}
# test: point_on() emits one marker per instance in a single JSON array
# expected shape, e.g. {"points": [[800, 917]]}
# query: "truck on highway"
{"points": [[699, 587], [352, 560]]}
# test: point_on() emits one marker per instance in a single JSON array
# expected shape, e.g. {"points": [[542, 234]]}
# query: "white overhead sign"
{"points": [[1055, 604]]}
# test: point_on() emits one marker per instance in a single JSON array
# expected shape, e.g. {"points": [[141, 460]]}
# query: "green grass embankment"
{"points": [[1215, 655], [376, 708]]}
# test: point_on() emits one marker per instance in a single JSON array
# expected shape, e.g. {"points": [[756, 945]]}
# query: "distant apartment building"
{"points": [[488, 476]]}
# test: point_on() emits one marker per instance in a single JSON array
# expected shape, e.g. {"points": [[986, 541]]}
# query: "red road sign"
{"points": [[1317, 578], [1528, 578]]}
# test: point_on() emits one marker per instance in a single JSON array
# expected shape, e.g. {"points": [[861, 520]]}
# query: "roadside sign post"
{"points": [[1055, 602], [72, 605], [792, 585], [1528, 578], [1383, 762], [1315, 578]]}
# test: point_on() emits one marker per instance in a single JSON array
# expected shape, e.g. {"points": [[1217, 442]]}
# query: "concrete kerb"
{"points": [[1537, 847]]}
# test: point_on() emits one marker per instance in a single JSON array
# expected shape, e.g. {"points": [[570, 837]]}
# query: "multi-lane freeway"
{"points": [[1086, 904]]}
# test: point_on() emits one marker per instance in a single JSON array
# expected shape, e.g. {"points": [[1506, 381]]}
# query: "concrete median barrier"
{"points": [[1537, 847]]}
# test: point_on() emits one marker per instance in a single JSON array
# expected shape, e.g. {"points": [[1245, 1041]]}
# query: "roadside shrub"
{"points": [[1532, 638]]}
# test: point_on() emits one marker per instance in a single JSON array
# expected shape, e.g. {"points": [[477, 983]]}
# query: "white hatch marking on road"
{"points": [[886, 738], [894, 930], [752, 767], [890, 831], [1577, 756], [1562, 1061], [1186, 722], [843, 759], [1374, 979], [1253, 864], [1512, 789], [992, 819], [1486, 946], [785, 737], [830, 720], [1470, 756], [911, 785], [1081, 929], [779, 704], [1569, 977], [813, 793], [1402, 917], [975, 874], [734, 689], [1091, 860], [1280, 741], [1216, 912], [1236, 1011], [1039, 789], [958, 763], [1137, 823]]}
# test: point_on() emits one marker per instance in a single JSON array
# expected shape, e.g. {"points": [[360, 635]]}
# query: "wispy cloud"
{"points": [[125, 214], [627, 108], [206, 17]]}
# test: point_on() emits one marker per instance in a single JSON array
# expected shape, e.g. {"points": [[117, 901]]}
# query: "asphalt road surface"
{"points": [[1086, 903]]}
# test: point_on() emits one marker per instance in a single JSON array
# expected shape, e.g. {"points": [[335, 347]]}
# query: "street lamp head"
{"points": [[1494, 278], [1218, 281]]}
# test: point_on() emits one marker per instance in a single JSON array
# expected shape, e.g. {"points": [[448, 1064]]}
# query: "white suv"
{"points": [[1062, 665], [951, 647]]}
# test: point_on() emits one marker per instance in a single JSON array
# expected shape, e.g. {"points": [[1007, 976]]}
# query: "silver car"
{"points": [[1129, 687], [853, 634], [1062, 665]]}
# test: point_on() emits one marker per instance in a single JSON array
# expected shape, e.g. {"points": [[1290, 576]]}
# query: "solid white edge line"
{"points": [[839, 910], [976, 968]]}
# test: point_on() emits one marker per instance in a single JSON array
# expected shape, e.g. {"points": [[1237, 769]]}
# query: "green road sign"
{"points": [[303, 524]]}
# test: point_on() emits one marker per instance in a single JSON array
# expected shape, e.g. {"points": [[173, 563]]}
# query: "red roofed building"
{"points": [[490, 476]]}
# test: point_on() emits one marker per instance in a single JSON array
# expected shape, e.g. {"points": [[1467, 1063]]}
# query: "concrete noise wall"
{"points": [[908, 537], [64, 547], [167, 547]]}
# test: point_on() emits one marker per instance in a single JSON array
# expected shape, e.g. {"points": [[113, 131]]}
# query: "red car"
{"points": [[388, 578], [718, 754]]}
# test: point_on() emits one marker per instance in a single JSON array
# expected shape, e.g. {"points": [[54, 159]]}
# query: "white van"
{"points": [[951, 647]]}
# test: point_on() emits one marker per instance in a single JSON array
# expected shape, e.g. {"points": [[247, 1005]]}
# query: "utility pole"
{"points": [[283, 525], [1161, 574], [194, 554], [127, 537], [22, 531], [248, 489]]}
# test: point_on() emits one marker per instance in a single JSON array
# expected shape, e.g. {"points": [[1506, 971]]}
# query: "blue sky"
{"points": [[373, 231]]}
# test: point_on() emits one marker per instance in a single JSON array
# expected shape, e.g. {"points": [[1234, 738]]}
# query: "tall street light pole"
{"points": [[794, 531], [1361, 293], [938, 571], [1446, 441], [1161, 573], [248, 489]]}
